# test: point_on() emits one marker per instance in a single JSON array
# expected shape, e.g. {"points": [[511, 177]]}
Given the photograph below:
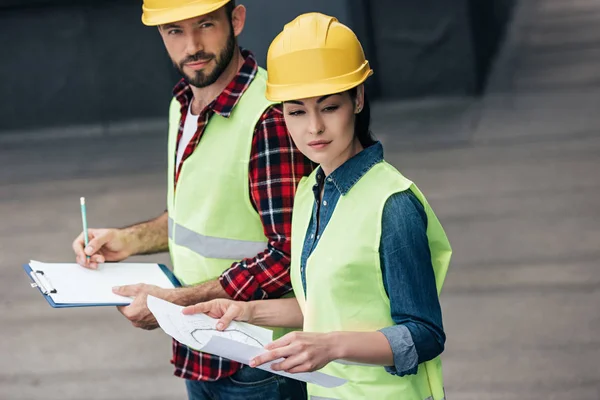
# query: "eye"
{"points": [[296, 113], [174, 32], [330, 108], [207, 25]]}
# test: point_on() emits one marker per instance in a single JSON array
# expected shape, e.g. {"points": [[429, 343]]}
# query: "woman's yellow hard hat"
{"points": [[315, 55], [159, 12]]}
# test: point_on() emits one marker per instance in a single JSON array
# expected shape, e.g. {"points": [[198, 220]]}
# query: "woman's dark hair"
{"points": [[362, 122]]}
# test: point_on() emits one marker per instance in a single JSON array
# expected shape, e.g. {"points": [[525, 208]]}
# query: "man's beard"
{"points": [[200, 79]]}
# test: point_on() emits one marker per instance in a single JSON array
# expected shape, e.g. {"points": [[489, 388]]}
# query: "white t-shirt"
{"points": [[190, 127]]}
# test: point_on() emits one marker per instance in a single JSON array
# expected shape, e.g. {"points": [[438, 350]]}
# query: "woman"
{"points": [[368, 254]]}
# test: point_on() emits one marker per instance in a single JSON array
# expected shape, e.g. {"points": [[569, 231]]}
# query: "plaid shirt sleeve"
{"points": [[276, 167]]}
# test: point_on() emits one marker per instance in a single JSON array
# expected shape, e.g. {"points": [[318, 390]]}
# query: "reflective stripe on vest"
{"points": [[214, 247]]}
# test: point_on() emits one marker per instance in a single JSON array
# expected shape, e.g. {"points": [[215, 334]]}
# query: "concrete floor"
{"points": [[513, 177]]}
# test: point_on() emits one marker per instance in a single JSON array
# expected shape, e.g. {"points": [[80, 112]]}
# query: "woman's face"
{"points": [[323, 127]]}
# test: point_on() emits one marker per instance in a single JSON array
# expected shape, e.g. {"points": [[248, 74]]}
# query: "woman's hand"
{"points": [[303, 352], [223, 309]]}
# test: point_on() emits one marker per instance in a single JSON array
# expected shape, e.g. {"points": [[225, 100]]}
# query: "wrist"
{"points": [[183, 296], [129, 238], [251, 311], [336, 345], [170, 295]]}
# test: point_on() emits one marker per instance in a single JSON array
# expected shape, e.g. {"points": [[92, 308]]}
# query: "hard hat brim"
{"points": [[154, 17], [281, 93]]}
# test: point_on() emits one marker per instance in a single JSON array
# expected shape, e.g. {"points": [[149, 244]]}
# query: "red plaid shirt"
{"points": [[276, 167]]}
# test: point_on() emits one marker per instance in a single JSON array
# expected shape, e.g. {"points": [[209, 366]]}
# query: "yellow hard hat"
{"points": [[315, 55], [158, 12]]}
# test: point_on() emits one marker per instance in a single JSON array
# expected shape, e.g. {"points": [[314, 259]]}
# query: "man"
{"points": [[232, 176]]}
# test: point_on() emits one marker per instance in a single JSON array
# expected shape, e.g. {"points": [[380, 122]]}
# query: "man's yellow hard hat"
{"points": [[315, 55], [159, 12]]}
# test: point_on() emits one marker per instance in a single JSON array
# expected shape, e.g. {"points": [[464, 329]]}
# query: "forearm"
{"points": [[196, 294], [148, 237], [361, 347], [283, 313], [278, 313]]}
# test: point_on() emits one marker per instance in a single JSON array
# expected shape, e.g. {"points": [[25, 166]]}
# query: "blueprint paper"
{"points": [[239, 342]]}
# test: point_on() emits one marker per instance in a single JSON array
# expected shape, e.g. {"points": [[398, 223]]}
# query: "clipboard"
{"points": [[40, 281]]}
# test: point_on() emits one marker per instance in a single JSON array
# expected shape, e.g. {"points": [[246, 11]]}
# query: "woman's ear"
{"points": [[360, 99]]}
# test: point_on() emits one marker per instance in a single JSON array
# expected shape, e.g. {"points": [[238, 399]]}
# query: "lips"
{"points": [[319, 144], [197, 64]]}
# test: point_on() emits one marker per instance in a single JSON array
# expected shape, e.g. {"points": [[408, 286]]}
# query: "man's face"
{"points": [[201, 48]]}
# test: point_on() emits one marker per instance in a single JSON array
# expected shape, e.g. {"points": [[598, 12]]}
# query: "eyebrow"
{"points": [[319, 101], [205, 19], [170, 26]]}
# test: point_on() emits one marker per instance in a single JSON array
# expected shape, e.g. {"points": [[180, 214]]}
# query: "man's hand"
{"points": [[137, 312], [105, 245]]}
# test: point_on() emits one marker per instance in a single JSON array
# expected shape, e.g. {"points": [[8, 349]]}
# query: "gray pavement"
{"points": [[513, 177]]}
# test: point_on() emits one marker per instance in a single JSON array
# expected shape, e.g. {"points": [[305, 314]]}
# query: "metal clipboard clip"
{"points": [[40, 281]]}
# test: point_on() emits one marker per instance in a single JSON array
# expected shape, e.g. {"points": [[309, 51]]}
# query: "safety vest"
{"points": [[344, 284], [212, 222]]}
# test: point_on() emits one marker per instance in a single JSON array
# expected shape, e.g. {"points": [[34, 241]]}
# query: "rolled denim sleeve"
{"points": [[409, 281]]}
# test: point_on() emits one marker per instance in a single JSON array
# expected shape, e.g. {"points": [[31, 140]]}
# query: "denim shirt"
{"points": [[408, 277]]}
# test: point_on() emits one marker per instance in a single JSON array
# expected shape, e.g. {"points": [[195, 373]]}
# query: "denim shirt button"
{"points": [[325, 203]]}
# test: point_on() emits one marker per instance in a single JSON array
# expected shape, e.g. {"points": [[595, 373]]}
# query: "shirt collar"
{"points": [[350, 172], [225, 102]]}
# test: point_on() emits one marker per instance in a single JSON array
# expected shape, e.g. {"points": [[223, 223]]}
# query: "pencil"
{"points": [[84, 220]]}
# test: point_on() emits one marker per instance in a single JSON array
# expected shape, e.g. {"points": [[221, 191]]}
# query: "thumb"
{"points": [[127, 291], [96, 243], [233, 312]]}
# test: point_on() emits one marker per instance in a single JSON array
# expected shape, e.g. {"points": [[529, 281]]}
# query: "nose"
{"points": [[317, 125], [193, 45]]}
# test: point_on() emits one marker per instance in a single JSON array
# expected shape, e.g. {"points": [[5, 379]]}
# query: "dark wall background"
{"points": [[70, 62], [488, 21], [423, 48]]}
